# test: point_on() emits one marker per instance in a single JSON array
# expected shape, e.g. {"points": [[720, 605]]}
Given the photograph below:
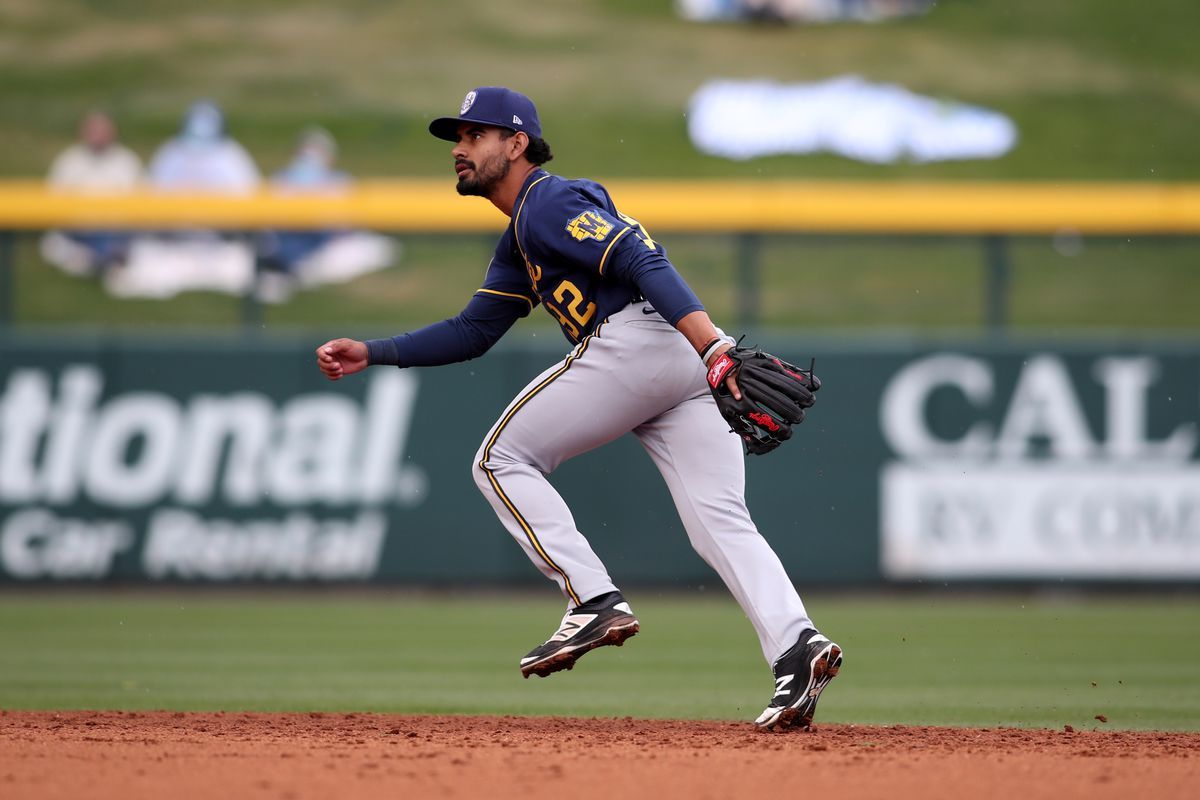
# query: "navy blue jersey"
{"points": [[567, 248]]}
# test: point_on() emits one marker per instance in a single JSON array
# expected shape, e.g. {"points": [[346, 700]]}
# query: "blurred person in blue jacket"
{"points": [[201, 159], [305, 258], [310, 170], [96, 164]]}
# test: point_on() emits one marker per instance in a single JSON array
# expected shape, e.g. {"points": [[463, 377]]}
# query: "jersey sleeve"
{"points": [[647, 268], [461, 338], [505, 297]]}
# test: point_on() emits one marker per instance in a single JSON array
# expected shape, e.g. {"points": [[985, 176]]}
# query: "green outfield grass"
{"points": [[933, 659]]}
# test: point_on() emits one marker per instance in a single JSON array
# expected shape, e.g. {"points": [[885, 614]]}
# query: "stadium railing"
{"points": [[748, 210]]}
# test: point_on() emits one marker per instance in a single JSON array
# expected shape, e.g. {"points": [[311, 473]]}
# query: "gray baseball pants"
{"points": [[635, 373]]}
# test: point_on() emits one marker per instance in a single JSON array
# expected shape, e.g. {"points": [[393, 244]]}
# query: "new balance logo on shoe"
{"points": [[801, 674], [607, 620], [568, 629], [571, 625]]}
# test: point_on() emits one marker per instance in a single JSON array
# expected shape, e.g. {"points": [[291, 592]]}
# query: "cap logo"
{"points": [[468, 101], [517, 120]]}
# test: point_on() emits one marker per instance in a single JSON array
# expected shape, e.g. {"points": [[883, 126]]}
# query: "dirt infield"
{"points": [[124, 755]]}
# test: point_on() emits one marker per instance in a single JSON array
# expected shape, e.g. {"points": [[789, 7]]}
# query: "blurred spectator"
{"points": [[96, 164], [311, 166], [202, 158], [305, 258]]}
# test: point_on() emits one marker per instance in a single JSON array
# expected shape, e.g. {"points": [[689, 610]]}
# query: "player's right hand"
{"points": [[339, 357]]}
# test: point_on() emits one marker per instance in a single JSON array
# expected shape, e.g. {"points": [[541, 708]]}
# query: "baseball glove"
{"points": [[774, 396]]}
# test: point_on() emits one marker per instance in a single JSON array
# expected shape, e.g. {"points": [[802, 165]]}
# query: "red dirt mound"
{"points": [[124, 755]]}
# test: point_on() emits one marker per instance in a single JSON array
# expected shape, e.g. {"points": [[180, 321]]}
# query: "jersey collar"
{"points": [[530, 180], [534, 178]]}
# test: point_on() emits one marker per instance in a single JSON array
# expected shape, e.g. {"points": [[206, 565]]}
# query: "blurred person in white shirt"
{"points": [[96, 164]]}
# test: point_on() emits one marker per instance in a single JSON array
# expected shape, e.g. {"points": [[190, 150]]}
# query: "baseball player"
{"points": [[646, 359]]}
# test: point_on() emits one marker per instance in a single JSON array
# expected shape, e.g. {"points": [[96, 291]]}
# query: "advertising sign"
{"points": [[213, 485], [128, 460], [1088, 472]]}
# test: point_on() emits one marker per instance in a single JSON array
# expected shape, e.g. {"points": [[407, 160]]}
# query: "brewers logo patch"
{"points": [[589, 225]]}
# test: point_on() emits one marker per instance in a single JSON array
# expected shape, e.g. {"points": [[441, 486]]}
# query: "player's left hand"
{"points": [[767, 398], [339, 357]]}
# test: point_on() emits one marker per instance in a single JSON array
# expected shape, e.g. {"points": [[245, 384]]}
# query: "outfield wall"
{"points": [[130, 461], [698, 206]]}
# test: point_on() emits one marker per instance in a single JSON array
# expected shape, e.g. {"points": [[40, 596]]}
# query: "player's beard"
{"points": [[486, 176]]}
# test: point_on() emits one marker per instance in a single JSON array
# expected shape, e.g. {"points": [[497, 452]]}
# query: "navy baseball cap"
{"points": [[491, 105]]}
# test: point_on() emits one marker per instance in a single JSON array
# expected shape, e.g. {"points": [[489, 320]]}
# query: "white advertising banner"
{"points": [[992, 520], [1027, 484]]}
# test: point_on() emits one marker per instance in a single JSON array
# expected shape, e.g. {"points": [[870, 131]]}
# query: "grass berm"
{"points": [[1100, 91]]}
